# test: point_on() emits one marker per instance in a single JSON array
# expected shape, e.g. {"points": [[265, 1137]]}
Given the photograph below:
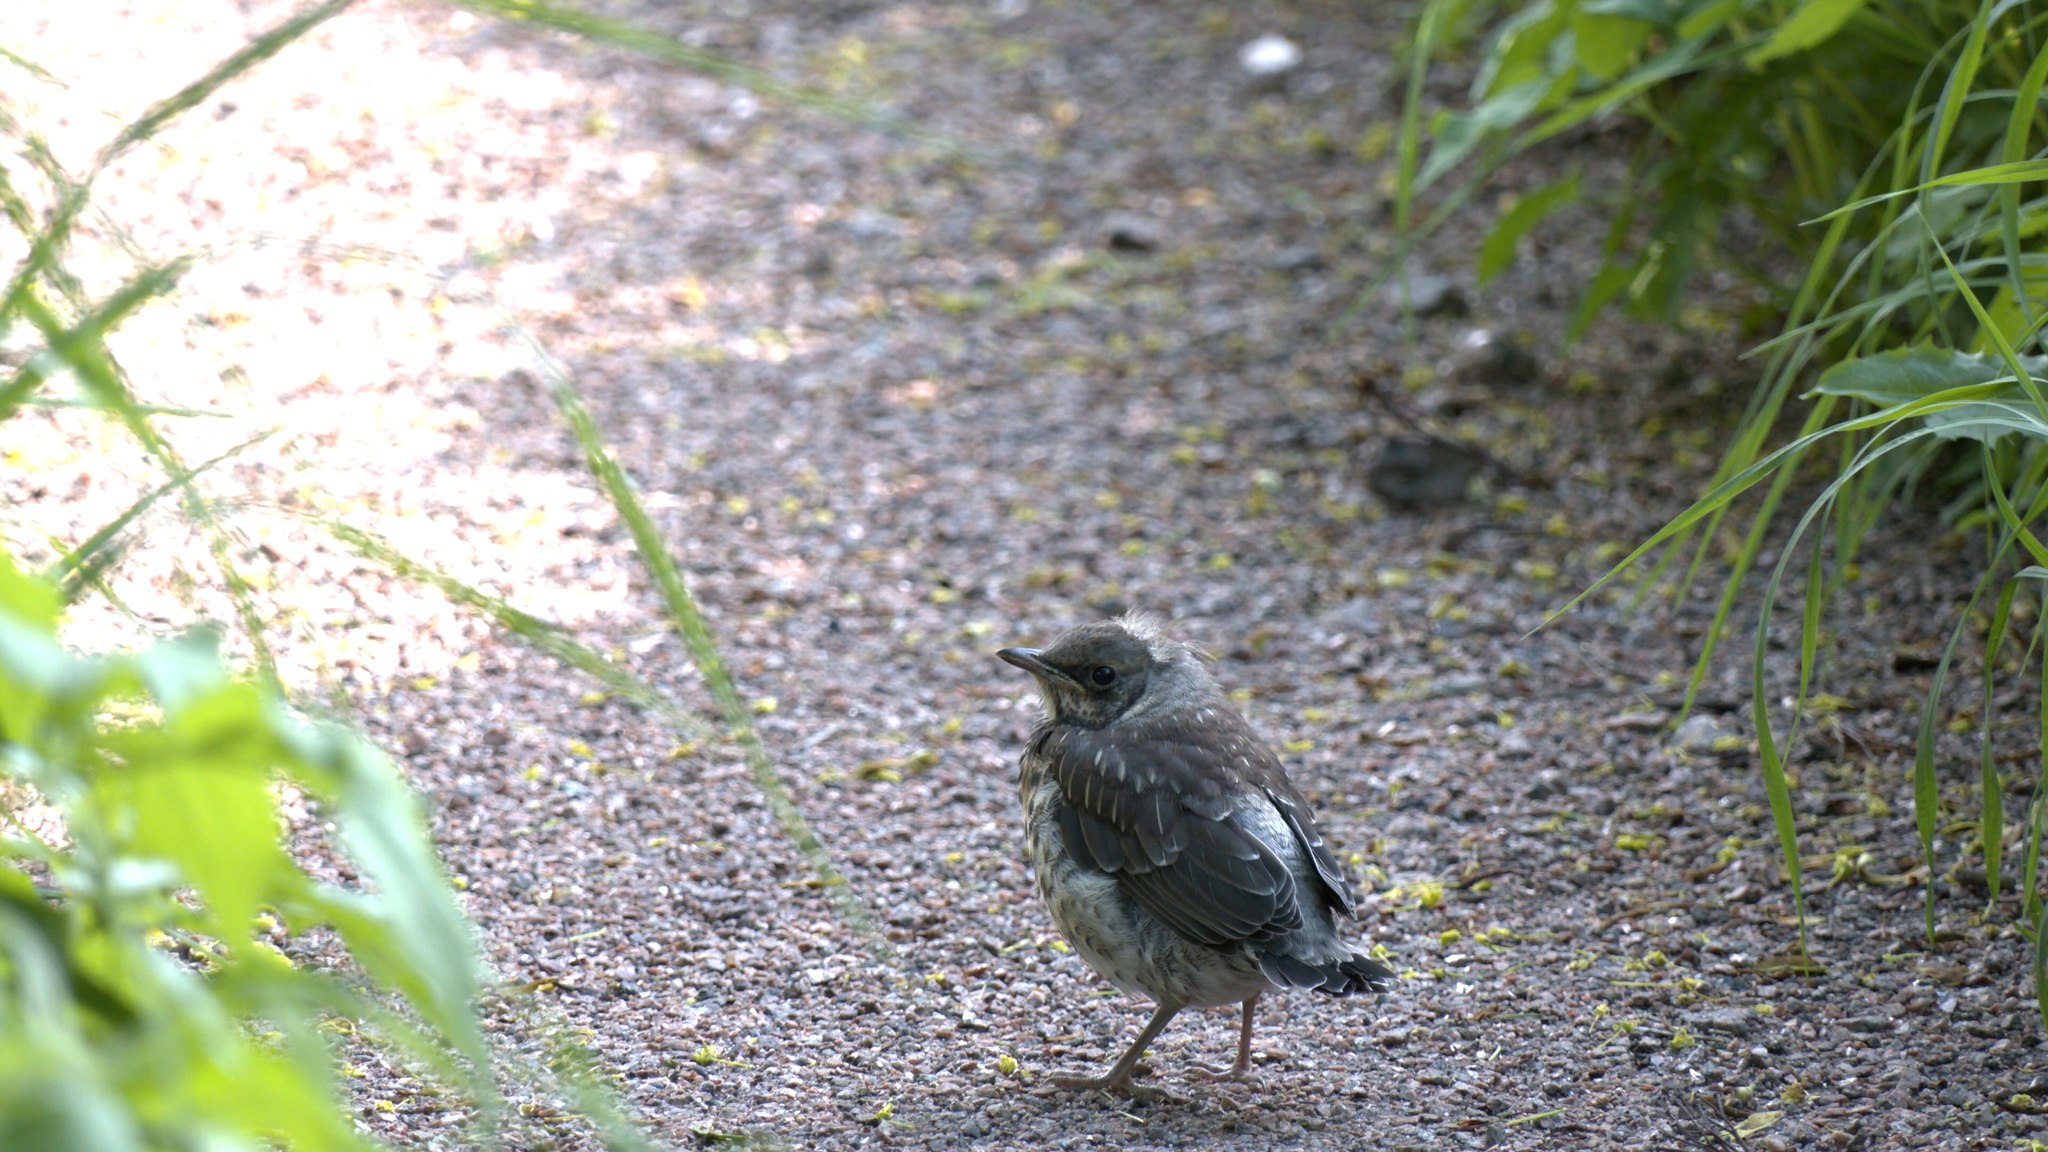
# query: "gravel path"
{"points": [[896, 410]]}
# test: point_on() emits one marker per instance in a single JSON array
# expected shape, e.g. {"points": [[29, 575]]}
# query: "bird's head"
{"points": [[1112, 670]]}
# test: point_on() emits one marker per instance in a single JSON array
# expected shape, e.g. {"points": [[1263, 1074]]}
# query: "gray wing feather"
{"points": [[1153, 808], [1304, 828]]}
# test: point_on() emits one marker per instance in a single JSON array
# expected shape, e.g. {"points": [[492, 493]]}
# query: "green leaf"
{"points": [[1708, 19], [2020, 368], [1813, 23], [1985, 422], [1955, 93], [1904, 374], [181, 670], [1659, 13], [33, 602], [1455, 134], [411, 935], [33, 669], [1497, 251], [1606, 45], [260, 1091], [196, 792], [1611, 281], [1757, 1122], [1681, 59], [1521, 49], [45, 1109], [27, 921]]}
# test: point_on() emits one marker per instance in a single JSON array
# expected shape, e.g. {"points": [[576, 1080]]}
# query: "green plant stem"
{"points": [[689, 622]]}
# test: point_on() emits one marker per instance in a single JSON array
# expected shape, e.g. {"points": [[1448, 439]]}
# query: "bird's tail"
{"points": [[1344, 977]]}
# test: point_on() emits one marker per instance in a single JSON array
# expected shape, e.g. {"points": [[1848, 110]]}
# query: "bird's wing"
{"points": [[1293, 807], [1154, 805]]}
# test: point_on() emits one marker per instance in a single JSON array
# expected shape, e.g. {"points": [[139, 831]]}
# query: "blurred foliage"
{"points": [[143, 881], [145, 886], [146, 882]]}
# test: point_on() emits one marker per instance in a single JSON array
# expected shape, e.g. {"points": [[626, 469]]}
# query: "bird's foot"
{"points": [[1240, 1071], [1117, 1084]]}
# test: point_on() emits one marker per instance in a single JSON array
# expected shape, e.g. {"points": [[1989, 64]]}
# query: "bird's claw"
{"points": [[1140, 1092], [1240, 1072]]}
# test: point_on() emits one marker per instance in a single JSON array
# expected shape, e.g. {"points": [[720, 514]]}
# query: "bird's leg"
{"points": [[1118, 1078], [1242, 1069]]}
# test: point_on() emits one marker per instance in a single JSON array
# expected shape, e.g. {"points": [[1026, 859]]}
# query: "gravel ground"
{"points": [[896, 410]]}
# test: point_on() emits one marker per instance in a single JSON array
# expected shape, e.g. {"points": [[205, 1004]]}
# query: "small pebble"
{"points": [[1269, 56]]}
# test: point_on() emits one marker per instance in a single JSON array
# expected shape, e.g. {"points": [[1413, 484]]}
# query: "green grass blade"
{"points": [[1776, 788], [260, 48], [1409, 239], [1720, 494], [83, 348], [1752, 546], [66, 402], [2037, 823], [20, 390], [42, 253], [2026, 105], [417, 1049], [1809, 626], [24, 219], [73, 195], [1926, 788], [1408, 143], [31, 67], [1926, 796], [1987, 326], [569, 1064], [689, 622], [1680, 61], [540, 635], [1406, 244], [1991, 821], [1993, 785], [1961, 78], [1761, 412], [579, 1074], [88, 563], [1497, 251], [2041, 963], [2011, 173], [1776, 784], [2037, 811]]}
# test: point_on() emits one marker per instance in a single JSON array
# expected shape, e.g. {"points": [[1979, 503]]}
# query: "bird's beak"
{"points": [[1032, 660]]}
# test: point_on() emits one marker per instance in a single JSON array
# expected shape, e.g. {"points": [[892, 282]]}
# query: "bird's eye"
{"points": [[1103, 676]]}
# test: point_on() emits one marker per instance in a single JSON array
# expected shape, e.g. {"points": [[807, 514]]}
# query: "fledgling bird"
{"points": [[1170, 847]]}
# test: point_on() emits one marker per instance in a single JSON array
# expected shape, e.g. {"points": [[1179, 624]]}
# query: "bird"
{"points": [[1169, 846]]}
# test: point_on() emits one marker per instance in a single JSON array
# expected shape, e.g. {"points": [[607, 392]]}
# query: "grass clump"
{"points": [[1896, 151]]}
